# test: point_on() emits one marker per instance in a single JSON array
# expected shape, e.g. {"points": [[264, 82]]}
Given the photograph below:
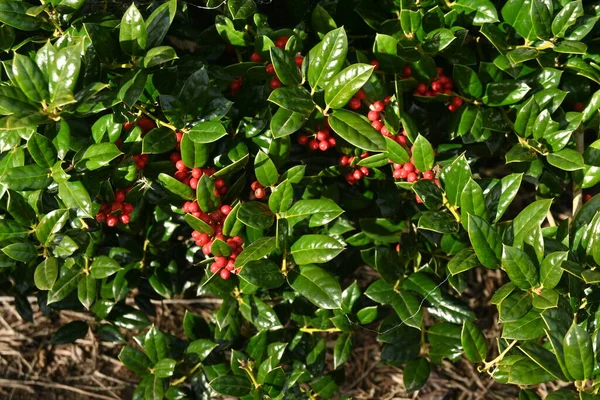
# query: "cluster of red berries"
{"points": [[409, 172], [145, 123], [322, 140], [191, 176], [356, 172], [140, 160], [442, 85], [118, 211], [259, 190], [215, 219]]}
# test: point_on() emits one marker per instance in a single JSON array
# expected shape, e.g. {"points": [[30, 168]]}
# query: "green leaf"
{"points": [[315, 249], [286, 122], [531, 217], [207, 132], [540, 16], [465, 260], [566, 159], [132, 33], [262, 273], [100, 155], [429, 193], [410, 21], [316, 285], [159, 140], [281, 197], [86, 291], [46, 273], [343, 86], [159, 55], [455, 178], [174, 186], [23, 252], [416, 374], [202, 348], [485, 240], [14, 101], [28, 177], [484, 10], [260, 314], [529, 327], [408, 308], [52, 222], [296, 99], [356, 130], [321, 21], [327, 58], [70, 332], [12, 230], [64, 73], [505, 93], [520, 269], [438, 221], [544, 358], [472, 202], [258, 249], [473, 342], [132, 86], [467, 80], [103, 267], [551, 270], [515, 306], [241, 9], [63, 286], [437, 40], [42, 150], [265, 169], [205, 194], [29, 78], [158, 23], [285, 67], [423, 154], [342, 349], [396, 152], [227, 30], [579, 353], [517, 14], [14, 13], [164, 368], [256, 215], [75, 195], [135, 360], [320, 211], [231, 385]]}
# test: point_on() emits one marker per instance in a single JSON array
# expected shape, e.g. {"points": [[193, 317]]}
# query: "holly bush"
{"points": [[268, 155]]}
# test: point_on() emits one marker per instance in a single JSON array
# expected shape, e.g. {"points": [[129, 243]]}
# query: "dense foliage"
{"points": [[264, 154]]}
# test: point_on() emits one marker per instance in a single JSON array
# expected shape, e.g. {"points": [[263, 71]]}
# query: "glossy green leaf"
{"points": [[520, 269], [86, 291], [30, 78], [46, 273], [231, 385], [64, 73], [484, 11], [103, 267], [422, 153], [505, 93], [455, 177], [133, 35], [343, 86], [473, 342], [265, 169], [485, 240], [315, 249], [317, 285], [207, 132], [416, 374], [356, 130], [285, 67], [579, 355], [256, 215], [327, 58]]}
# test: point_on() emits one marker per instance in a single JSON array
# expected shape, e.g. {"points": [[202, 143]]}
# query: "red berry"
{"points": [[332, 142], [275, 83], [255, 185], [313, 144], [361, 95], [175, 157], [428, 175], [387, 99], [344, 161], [225, 274], [196, 173], [235, 86], [401, 140], [408, 167], [422, 88], [206, 249], [407, 71], [112, 221], [180, 165], [579, 106], [357, 174], [384, 131], [214, 268], [101, 217], [203, 239], [281, 42], [270, 69], [255, 57], [436, 86], [299, 60], [302, 139], [128, 208], [193, 183], [373, 115], [365, 171], [378, 106], [323, 145], [322, 135], [146, 124], [443, 80], [193, 207], [378, 125], [457, 101], [196, 235], [221, 262], [230, 265], [116, 207], [225, 209], [397, 174], [354, 103], [180, 175], [411, 177], [403, 173], [587, 197], [259, 193], [219, 183], [440, 71], [124, 219], [119, 196], [375, 64], [452, 108]]}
